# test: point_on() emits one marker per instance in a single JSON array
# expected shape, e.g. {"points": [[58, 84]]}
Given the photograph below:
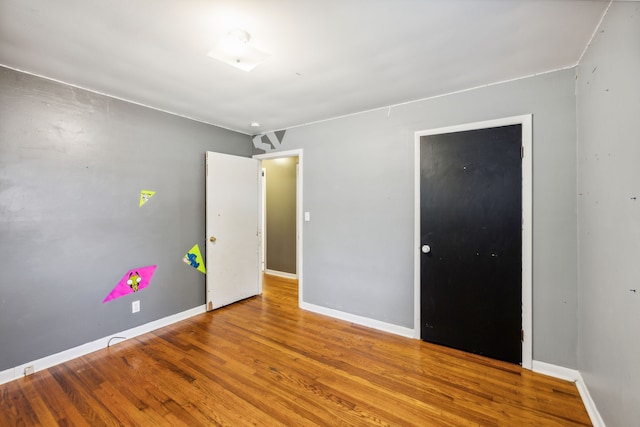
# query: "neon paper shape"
{"points": [[145, 195], [131, 282], [194, 259]]}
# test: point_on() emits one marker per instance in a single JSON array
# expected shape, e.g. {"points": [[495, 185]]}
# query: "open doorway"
{"points": [[279, 231], [281, 195]]}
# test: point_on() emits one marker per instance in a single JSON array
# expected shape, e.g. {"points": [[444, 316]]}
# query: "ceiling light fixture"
{"points": [[255, 124], [234, 49]]}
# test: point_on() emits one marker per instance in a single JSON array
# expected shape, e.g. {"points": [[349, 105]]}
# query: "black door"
{"points": [[471, 224]]}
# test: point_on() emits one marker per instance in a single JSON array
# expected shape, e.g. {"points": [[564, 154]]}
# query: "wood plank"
{"points": [[16, 409], [263, 361]]}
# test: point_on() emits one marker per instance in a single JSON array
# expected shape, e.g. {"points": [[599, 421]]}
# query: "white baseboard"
{"points": [[575, 377], [596, 419], [281, 274], [359, 320], [555, 371], [72, 353]]}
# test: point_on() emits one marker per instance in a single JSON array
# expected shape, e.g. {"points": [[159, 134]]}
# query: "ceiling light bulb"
{"points": [[236, 42], [241, 36], [255, 125]]}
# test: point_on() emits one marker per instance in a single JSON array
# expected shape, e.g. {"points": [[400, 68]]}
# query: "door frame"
{"points": [[299, 194], [263, 220], [527, 215]]}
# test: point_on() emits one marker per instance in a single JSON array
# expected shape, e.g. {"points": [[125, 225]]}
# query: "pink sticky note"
{"points": [[132, 281]]}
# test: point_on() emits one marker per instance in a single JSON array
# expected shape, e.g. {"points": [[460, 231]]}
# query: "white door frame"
{"points": [[527, 235], [263, 221], [299, 186]]}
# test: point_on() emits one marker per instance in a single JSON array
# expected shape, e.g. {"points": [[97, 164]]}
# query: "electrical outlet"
{"points": [[29, 370], [135, 306]]}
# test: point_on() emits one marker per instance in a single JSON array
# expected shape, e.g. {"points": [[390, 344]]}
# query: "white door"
{"points": [[233, 238]]}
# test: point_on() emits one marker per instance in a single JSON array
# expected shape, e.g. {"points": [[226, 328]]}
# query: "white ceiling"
{"points": [[328, 57]]}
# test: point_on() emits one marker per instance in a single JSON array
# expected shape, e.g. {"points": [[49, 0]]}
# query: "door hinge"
{"points": [[522, 335], [522, 152]]}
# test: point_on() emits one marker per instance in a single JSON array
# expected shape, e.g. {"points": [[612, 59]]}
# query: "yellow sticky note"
{"points": [[194, 259], [145, 195]]}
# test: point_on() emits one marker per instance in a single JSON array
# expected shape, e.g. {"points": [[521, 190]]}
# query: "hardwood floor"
{"points": [[264, 362]]}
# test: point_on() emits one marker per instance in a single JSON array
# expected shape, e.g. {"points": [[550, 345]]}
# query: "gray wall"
{"points": [[72, 164], [608, 99], [359, 188], [281, 214]]}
